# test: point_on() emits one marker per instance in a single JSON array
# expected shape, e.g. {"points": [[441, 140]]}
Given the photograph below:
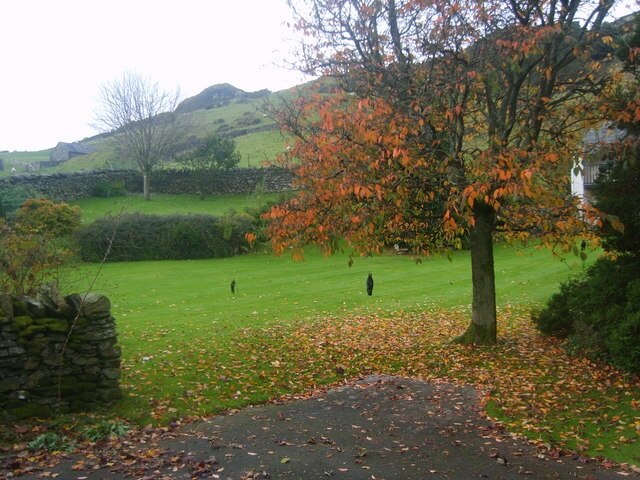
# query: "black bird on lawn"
{"points": [[233, 286], [370, 285]]}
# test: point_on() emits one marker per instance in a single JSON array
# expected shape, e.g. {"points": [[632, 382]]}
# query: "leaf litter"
{"points": [[528, 381]]}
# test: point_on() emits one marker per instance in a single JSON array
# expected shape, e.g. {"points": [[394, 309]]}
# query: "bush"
{"points": [[107, 189], [153, 237], [617, 193], [36, 245], [42, 216], [599, 313]]}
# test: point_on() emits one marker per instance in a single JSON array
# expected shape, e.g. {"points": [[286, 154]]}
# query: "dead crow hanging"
{"points": [[370, 285], [233, 286]]}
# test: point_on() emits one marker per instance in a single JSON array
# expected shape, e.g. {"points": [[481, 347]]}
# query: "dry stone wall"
{"points": [[57, 354], [72, 186]]}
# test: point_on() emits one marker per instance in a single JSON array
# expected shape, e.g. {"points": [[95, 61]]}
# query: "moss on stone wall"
{"points": [[55, 364]]}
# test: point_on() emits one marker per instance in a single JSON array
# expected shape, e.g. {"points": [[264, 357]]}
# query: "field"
{"points": [[191, 348], [162, 204], [19, 160]]}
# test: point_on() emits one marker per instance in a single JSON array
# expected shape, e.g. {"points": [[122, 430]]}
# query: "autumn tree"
{"points": [[140, 116], [214, 154], [450, 119], [35, 244]]}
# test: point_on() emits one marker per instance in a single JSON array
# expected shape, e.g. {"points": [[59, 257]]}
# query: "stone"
{"points": [[113, 352], [83, 360], [35, 308], [111, 363], [90, 304], [10, 364], [109, 395], [53, 359], [40, 360], [101, 334], [30, 363], [12, 351], [55, 325], [54, 303], [19, 307], [111, 374], [22, 321], [105, 383], [38, 378], [6, 306], [9, 384]]}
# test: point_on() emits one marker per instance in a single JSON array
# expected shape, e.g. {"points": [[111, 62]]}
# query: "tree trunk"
{"points": [[483, 327], [146, 188]]}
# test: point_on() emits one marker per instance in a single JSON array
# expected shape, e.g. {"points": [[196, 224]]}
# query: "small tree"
{"points": [[141, 118], [452, 119], [215, 154], [33, 247]]}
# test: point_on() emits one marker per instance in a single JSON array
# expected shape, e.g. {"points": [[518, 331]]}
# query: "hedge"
{"points": [[153, 237]]}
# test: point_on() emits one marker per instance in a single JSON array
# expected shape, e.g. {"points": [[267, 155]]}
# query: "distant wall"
{"points": [[73, 186], [57, 355]]}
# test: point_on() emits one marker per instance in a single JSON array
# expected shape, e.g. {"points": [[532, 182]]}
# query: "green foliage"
{"points": [[44, 217], [262, 206], [13, 197], [51, 442], [617, 193], [214, 154], [36, 245], [104, 430], [154, 237], [599, 313], [107, 189]]}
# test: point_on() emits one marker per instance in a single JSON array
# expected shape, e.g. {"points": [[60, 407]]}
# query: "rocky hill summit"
{"points": [[218, 96]]}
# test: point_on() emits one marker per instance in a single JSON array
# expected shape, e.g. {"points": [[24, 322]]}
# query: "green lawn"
{"points": [[278, 288], [192, 348], [163, 307]]}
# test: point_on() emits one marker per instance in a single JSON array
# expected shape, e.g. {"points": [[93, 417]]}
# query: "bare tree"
{"points": [[140, 115]]}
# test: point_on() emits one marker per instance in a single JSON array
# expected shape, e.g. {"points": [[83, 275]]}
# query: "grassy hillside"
{"points": [[19, 160], [257, 136]]}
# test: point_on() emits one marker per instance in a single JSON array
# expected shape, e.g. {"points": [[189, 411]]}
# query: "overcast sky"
{"points": [[56, 54]]}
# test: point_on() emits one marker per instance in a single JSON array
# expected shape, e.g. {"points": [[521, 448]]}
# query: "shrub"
{"points": [[617, 193], [42, 216], [153, 237], [36, 245], [599, 313], [107, 189]]}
